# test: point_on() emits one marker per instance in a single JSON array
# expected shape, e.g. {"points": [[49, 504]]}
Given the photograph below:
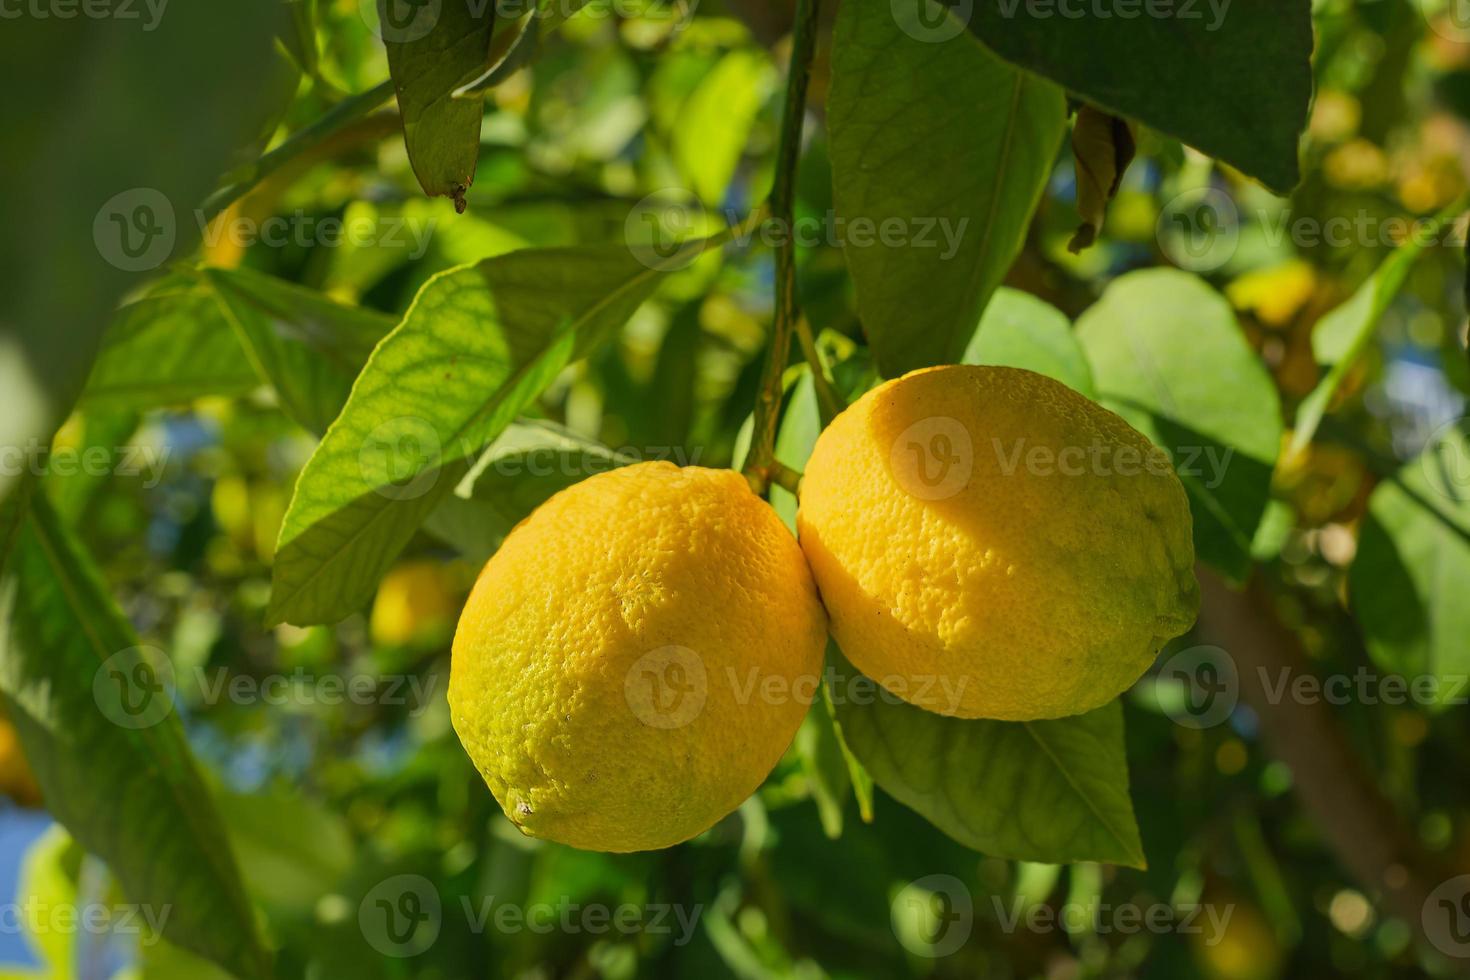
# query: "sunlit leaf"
{"points": [[940, 152], [1168, 355]]}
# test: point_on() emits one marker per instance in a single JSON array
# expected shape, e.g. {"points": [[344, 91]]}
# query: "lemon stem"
{"points": [[760, 465]]}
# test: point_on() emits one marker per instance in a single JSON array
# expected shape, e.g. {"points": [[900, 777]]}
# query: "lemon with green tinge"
{"points": [[991, 544], [636, 657]]}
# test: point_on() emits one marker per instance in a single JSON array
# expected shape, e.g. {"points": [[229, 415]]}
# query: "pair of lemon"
{"points": [[987, 543]]}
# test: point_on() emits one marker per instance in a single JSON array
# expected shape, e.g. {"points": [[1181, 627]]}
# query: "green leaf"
{"points": [[1019, 330], [104, 205], [1168, 355], [947, 147], [476, 347], [1408, 580], [1343, 334], [113, 763], [530, 462], [823, 761], [713, 127], [1231, 79], [1052, 791], [172, 345], [310, 348], [430, 54]]}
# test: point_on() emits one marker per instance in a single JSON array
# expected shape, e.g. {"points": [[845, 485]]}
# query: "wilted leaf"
{"points": [[1103, 146]]}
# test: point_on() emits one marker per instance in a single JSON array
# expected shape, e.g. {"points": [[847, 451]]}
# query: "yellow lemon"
{"points": [[991, 544], [636, 657], [16, 779], [415, 605]]}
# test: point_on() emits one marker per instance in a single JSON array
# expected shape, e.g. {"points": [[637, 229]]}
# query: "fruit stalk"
{"points": [[783, 198]]}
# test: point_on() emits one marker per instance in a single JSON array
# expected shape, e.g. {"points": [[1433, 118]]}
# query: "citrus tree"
{"points": [[645, 488]]}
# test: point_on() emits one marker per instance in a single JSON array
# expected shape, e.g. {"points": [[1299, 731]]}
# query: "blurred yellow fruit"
{"points": [[1274, 295], [1245, 948], [1356, 165], [636, 657], [16, 779], [415, 606], [991, 544]]}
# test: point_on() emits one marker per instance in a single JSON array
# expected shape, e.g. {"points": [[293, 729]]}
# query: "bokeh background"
{"points": [[326, 799]]}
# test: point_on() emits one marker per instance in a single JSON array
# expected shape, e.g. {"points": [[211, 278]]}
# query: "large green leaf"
{"points": [[713, 127], [1052, 791], [171, 345], [1019, 330], [1230, 77], [940, 152], [1168, 355], [111, 760], [1413, 562], [87, 176], [1343, 334], [477, 346], [530, 462], [433, 48], [308, 347]]}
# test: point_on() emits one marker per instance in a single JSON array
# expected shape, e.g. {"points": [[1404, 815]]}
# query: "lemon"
{"points": [[415, 605], [16, 779], [991, 544], [636, 657]]}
